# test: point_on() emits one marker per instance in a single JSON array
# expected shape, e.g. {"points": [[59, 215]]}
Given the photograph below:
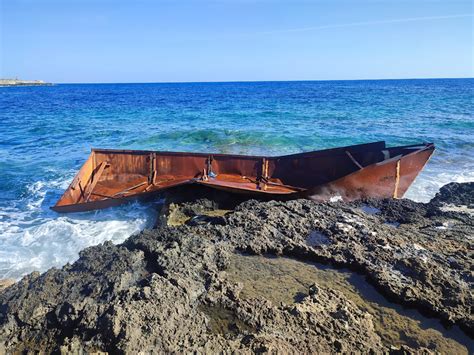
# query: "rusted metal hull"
{"points": [[390, 178], [113, 177]]}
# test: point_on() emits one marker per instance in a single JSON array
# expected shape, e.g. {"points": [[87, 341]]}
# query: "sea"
{"points": [[47, 132]]}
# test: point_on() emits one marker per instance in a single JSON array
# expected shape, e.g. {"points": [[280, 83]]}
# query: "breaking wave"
{"points": [[32, 237], [429, 182]]}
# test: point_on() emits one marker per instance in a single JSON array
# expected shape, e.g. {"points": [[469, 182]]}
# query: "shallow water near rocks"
{"points": [[281, 279], [370, 209], [224, 321], [177, 218]]}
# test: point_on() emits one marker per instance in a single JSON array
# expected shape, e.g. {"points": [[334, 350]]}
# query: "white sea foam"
{"points": [[34, 238], [429, 182]]}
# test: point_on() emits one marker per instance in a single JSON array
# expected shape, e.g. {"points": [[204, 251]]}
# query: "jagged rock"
{"points": [[167, 290], [459, 194]]}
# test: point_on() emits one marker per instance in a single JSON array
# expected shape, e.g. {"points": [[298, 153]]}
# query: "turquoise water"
{"points": [[46, 134]]}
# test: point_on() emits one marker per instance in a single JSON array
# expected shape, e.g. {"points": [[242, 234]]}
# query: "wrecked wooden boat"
{"points": [[113, 177]]}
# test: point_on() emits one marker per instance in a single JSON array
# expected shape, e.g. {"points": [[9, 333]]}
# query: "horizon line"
{"points": [[257, 81]]}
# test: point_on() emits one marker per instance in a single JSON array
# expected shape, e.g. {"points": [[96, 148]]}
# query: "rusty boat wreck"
{"points": [[113, 177]]}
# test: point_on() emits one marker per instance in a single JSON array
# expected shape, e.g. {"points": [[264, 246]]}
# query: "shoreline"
{"points": [[414, 254]]}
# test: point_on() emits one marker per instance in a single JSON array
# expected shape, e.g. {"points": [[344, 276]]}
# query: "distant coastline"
{"points": [[18, 82]]}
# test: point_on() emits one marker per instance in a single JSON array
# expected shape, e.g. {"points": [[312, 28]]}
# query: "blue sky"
{"points": [[235, 40]]}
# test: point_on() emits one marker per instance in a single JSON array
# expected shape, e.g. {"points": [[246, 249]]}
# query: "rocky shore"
{"points": [[216, 275]]}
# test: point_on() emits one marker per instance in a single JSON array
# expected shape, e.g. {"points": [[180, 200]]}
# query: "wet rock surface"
{"points": [[177, 288], [4, 283], [455, 194]]}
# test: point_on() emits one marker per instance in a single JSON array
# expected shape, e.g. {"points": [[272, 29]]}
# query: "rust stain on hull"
{"points": [[390, 178], [113, 177]]}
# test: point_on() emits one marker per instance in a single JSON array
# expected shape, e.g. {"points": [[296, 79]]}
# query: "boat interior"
{"points": [[114, 174]]}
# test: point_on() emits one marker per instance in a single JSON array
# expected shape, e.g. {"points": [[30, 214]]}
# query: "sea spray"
{"points": [[35, 238]]}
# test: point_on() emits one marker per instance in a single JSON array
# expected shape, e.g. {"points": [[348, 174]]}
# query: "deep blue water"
{"points": [[46, 134]]}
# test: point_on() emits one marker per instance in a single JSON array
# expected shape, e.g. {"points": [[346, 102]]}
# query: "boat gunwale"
{"points": [[330, 151], [242, 156]]}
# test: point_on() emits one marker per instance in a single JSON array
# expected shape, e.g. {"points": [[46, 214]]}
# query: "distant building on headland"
{"points": [[18, 82]]}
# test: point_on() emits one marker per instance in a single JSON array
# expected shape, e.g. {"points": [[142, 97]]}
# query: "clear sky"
{"points": [[235, 40]]}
